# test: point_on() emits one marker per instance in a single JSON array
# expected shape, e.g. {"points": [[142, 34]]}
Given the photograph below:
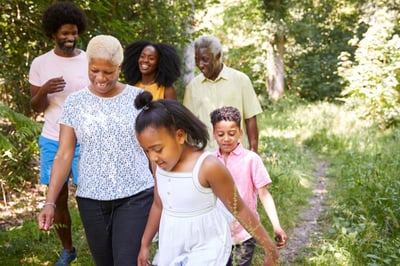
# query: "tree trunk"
{"points": [[276, 72], [188, 54], [189, 64]]}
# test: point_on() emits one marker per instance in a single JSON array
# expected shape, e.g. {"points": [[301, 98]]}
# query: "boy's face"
{"points": [[227, 135]]}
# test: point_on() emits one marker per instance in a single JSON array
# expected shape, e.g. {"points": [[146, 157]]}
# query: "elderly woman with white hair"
{"points": [[115, 186]]}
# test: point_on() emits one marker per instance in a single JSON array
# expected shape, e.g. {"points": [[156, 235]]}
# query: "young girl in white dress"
{"points": [[192, 230]]}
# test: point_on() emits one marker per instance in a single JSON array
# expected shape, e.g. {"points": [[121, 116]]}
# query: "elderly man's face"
{"points": [[208, 64]]}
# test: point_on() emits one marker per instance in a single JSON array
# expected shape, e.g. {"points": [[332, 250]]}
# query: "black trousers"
{"points": [[114, 228], [242, 254]]}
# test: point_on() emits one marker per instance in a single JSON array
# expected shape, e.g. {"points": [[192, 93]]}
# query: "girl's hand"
{"points": [[271, 258], [143, 257]]}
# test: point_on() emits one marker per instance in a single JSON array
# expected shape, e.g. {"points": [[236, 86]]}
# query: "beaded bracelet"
{"points": [[49, 204]]}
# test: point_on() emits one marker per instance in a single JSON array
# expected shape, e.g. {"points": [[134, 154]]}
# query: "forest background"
{"points": [[326, 72]]}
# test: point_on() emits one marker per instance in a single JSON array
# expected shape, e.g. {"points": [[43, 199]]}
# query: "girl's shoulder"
{"points": [[209, 164]]}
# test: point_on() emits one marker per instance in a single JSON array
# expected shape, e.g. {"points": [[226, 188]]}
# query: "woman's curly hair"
{"points": [[168, 67], [62, 13]]}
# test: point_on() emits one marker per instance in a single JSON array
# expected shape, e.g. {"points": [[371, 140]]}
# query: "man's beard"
{"points": [[65, 49]]}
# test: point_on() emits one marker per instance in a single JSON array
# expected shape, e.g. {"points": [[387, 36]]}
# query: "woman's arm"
{"points": [[59, 171], [170, 93]]}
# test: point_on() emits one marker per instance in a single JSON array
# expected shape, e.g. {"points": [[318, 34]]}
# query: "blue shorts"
{"points": [[48, 150]]}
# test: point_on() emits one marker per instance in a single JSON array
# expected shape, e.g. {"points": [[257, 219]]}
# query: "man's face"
{"points": [[66, 38], [208, 64]]}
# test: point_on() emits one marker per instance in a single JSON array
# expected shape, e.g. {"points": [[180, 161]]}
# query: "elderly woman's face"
{"points": [[103, 76]]}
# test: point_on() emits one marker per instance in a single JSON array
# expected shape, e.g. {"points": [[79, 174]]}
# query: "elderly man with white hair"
{"points": [[219, 85]]}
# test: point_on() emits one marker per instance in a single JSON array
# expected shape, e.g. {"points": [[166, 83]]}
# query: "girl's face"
{"points": [[103, 76], [227, 135], [162, 147], [148, 60]]}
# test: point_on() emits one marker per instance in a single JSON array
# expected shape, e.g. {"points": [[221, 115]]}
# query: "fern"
{"points": [[18, 147]]}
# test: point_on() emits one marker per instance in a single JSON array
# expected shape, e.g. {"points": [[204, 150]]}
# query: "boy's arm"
{"points": [[269, 207]]}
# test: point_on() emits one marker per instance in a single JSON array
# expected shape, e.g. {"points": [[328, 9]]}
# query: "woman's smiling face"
{"points": [[103, 76], [148, 60]]}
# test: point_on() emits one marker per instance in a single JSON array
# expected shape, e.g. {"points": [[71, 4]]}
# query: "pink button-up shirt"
{"points": [[249, 174]]}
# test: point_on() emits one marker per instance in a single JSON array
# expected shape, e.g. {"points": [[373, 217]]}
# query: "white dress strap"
{"points": [[196, 170]]}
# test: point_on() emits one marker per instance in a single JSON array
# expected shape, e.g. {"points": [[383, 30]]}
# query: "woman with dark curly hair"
{"points": [[52, 77], [153, 67]]}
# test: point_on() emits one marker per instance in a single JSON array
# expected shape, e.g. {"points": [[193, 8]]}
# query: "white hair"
{"points": [[105, 47], [210, 42]]}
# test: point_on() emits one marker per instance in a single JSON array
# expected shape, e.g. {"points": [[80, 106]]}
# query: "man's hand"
{"points": [[54, 85]]}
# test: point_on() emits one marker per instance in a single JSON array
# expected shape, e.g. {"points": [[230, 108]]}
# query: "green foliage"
{"points": [[372, 178], [373, 75], [21, 37], [317, 34], [362, 222], [18, 148], [21, 40], [18, 35]]}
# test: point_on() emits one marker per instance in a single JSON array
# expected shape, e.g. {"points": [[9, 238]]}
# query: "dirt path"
{"points": [[308, 228]]}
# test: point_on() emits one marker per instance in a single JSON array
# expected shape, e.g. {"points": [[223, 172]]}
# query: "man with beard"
{"points": [[53, 76]]}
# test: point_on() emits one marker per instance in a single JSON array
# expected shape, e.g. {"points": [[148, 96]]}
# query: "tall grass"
{"points": [[363, 214], [362, 217]]}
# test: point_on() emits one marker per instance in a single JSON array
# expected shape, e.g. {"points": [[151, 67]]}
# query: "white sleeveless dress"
{"points": [[193, 231]]}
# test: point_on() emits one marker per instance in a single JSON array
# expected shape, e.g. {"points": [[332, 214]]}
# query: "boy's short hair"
{"points": [[225, 113]]}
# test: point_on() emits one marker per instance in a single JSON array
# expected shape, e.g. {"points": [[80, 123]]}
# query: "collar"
{"points": [[222, 75], [236, 152]]}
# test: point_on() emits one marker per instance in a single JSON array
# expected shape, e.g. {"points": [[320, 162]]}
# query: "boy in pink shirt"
{"points": [[251, 178]]}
